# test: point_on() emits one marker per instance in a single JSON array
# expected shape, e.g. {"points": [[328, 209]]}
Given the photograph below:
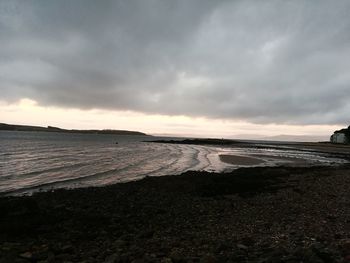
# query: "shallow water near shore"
{"points": [[33, 161]]}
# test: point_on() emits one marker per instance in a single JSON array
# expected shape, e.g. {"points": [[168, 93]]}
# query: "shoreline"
{"points": [[250, 214], [340, 150], [240, 160]]}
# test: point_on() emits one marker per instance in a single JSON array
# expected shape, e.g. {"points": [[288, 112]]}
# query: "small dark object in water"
{"points": [[116, 142]]}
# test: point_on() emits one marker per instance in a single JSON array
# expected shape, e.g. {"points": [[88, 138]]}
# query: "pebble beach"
{"points": [[262, 214]]}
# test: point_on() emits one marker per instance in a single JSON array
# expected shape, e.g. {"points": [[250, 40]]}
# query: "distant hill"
{"points": [[12, 127], [296, 138]]}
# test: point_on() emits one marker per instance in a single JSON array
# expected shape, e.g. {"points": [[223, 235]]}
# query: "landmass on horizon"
{"points": [[13, 127], [281, 137]]}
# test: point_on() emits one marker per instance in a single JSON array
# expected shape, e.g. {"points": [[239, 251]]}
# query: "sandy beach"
{"points": [[280, 214]]}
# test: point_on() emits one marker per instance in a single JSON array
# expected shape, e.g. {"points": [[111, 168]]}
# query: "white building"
{"points": [[339, 137]]}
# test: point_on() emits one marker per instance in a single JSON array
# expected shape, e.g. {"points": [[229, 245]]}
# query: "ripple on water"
{"points": [[28, 164]]}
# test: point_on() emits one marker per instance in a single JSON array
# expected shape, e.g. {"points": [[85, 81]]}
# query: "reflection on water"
{"points": [[30, 161]]}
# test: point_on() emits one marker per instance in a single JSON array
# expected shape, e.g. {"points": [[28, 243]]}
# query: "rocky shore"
{"points": [[277, 214]]}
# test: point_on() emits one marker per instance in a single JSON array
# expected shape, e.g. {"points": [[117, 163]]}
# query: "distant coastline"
{"points": [[13, 127]]}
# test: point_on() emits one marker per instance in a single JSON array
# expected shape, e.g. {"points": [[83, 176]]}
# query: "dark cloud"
{"points": [[262, 61]]}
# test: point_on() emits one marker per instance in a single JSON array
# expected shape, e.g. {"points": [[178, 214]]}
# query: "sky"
{"points": [[184, 67]]}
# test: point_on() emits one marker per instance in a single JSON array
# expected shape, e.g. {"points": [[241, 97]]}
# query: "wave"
{"points": [[132, 163]]}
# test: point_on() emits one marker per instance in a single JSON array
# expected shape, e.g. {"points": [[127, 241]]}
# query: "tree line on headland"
{"points": [[12, 127]]}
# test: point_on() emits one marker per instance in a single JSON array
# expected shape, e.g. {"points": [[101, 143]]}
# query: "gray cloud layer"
{"points": [[262, 61]]}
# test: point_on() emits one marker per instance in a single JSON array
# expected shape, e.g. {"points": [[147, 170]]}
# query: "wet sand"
{"points": [[240, 160], [290, 161], [265, 214], [259, 159]]}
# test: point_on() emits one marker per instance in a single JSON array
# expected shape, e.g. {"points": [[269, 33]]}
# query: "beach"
{"points": [[263, 214], [175, 131]]}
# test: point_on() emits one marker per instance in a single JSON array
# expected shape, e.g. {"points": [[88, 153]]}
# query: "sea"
{"points": [[42, 161]]}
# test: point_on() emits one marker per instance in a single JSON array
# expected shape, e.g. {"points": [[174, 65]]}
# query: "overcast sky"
{"points": [[263, 62]]}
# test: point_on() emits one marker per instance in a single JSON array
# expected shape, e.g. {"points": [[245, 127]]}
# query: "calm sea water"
{"points": [[32, 161]]}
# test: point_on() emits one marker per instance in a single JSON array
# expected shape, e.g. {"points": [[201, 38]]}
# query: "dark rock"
{"points": [[208, 259], [67, 248], [166, 260], [241, 246], [147, 234], [26, 255], [40, 255], [221, 247], [345, 247], [310, 256], [347, 258], [177, 257], [323, 253], [64, 257]]}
